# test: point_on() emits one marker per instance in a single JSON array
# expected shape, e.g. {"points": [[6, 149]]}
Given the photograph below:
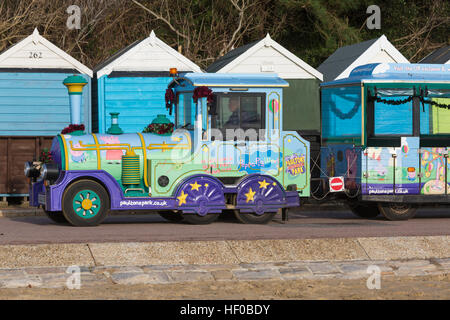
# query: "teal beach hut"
{"points": [[133, 83], [34, 105]]}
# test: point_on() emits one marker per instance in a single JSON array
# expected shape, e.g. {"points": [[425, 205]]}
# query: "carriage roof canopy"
{"points": [[234, 80], [396, 72]]}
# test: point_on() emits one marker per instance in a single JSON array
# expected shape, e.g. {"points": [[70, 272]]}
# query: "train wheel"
{"points": [[257, 195], [253, 218], [56, 216], [194, 218], [397, 211], [172, 216], [201, 199], [85, 203], [365, 210]]}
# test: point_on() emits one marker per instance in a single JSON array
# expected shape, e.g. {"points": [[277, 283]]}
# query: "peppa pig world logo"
{"points": [[295, 164]]}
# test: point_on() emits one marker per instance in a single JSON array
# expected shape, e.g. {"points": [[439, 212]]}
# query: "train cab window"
{"points": [[235, 111], [185, 111]]}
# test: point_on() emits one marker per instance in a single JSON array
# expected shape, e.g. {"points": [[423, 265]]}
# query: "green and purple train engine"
{"points": [[386, 129], [226, 150]]}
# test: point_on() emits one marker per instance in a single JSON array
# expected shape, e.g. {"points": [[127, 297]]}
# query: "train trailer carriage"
{"points": [[226, 150], [386, 129]]}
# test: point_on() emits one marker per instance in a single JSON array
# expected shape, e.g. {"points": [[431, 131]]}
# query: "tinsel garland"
{"points": [[159, 128], [73, 127], [201, 92]]}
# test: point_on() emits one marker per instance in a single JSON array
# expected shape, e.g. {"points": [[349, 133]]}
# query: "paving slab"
{"points": [[160, 253], [45, 255], [391, 248]]}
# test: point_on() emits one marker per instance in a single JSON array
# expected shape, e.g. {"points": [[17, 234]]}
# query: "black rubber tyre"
{"points": [[69, 199], [253, 218], [396, 211], [171, 215], [194, 218], [365, 210], [56, 216]]}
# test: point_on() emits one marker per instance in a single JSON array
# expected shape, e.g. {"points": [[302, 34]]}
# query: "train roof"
{"points": [[232, 80], [395, 72]]}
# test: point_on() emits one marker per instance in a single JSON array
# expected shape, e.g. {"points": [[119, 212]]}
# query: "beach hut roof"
{"points": [[150, 54], [36, 52], [260, 51], [439, 56], [345, 59]]}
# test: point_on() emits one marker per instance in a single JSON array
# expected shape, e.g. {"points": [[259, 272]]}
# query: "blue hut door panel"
{"points": [[138, 100], [37, 104]]}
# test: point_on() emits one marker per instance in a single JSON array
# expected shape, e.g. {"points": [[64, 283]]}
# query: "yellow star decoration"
{"points": [[195, 186], [182, 198], [263, 184], [206, 185], [275, 184], [250, 195]]}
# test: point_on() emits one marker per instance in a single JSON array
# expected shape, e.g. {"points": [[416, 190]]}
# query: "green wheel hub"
{"points": [[86, 204]]}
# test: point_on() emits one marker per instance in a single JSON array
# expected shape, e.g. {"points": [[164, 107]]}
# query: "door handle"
{"points": [[240, 144]]}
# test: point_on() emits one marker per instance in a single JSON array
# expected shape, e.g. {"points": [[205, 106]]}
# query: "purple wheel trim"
{"points": [[200, 194], [260, 194]]}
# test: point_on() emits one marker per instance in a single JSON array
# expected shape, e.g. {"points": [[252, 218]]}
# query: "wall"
{"points": [[302, 105]]}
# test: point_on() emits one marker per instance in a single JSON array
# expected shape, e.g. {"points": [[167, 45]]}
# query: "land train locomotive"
{"points": [[384, 136]]}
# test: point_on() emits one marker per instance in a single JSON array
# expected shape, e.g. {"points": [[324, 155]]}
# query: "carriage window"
{"points": [[393, 119], [239, 111], [186, 110], [435, 120]]}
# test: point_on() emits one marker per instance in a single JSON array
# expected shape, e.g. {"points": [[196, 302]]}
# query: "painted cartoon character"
{"points": [[77, 156], [112, 155], [411, 174]]}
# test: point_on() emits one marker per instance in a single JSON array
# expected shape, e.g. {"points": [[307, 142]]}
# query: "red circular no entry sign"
{"points": [[337, 184]]}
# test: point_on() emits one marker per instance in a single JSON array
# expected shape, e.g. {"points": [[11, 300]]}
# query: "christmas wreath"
{"points": [[201, 92], [45, 156], [73, 127], [159, 128]]}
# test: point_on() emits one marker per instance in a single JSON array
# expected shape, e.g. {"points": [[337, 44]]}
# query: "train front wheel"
{"points": [[85, 203], [397, 211]]}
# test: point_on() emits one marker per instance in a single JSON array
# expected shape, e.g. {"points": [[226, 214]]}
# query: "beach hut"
{"points": [[133, 83], [301, 99], [34, 105], [345, 59]]}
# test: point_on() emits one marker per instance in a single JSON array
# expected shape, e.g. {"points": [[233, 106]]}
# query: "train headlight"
{"points": [[30, 170], [43, 172]]}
